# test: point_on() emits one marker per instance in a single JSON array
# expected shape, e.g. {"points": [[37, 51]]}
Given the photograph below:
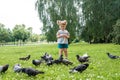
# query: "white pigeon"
{"points": [[17, 68]]}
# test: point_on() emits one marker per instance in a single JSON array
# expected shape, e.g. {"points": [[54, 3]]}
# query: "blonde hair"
{"points": [[59, 22]]}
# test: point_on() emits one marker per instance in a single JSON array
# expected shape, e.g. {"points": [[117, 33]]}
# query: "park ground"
{"points": [[100, 66]]}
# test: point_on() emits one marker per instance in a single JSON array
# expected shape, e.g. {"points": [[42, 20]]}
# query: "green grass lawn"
{"points": [[100, 66]]}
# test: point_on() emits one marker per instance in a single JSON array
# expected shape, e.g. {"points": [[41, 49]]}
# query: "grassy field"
{"points": [[100, 68]]}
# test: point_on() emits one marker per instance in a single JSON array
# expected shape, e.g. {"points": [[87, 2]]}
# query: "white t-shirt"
{"points": [[62, 40]]}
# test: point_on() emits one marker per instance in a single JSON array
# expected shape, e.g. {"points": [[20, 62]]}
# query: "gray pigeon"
{"points": [[80, 68], [82, 58], [112, 56], [31, 71], [4, 68], [36, 62]]}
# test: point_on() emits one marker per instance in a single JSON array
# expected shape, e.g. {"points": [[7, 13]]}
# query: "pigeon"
{"points": [[49, 62], [112, 56], [25, 58], [17, 68], [62, 60], [31, 71], [66, 62], [79, 68], [4, 68], [85, 56], [36, 62], [46, 57], [82, 58], [59, 60]]}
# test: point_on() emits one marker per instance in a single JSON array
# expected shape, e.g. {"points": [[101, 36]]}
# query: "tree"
{"points": [[9, 35], [34, 37], [5, 34], [99, 16], [42, 37], [52, 10], [21, 33], [2, 33], [116, 32]]}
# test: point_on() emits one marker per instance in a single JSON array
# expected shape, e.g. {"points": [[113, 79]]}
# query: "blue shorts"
{"points": [[62, 45]]}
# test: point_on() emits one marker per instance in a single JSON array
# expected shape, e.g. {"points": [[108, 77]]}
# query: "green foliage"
{"points": [[37, 37], [93, 18], [51, 11], [20, 33], [34, 38], [100, 16], [100, 68], [42, 37], [5, 34], [116, 32]]}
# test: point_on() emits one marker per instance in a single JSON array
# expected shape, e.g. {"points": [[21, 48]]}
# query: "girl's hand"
{"points": [[62, 35], [65, 36]]}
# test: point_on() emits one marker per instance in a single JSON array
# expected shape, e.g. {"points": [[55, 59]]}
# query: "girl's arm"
{"points": [[66, 36], [62, 35], [58, 36]]}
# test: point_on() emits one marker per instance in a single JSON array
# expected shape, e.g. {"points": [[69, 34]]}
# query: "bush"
{"points": [[116, 32]]}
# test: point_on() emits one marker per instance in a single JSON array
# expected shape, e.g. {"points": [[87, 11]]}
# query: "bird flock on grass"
{"points": [[48, 60]]}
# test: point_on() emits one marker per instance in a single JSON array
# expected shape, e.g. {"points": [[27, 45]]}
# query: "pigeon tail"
{"points": [[41, 72], [25, 58]]}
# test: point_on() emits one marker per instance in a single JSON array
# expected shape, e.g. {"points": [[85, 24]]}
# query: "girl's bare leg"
{"points": [[61, 51], [66, 52]]}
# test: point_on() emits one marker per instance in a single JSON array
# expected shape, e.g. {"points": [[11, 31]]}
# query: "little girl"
{"points": [[62, 38]]}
